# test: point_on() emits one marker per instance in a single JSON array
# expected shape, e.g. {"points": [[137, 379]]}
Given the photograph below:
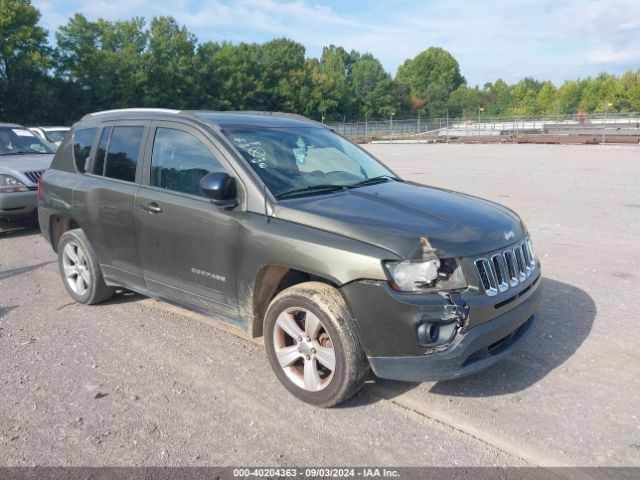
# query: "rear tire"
{"points": [[313, 346], [80, 270]]}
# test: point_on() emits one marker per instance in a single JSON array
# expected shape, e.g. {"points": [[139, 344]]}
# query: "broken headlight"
{"points": [[9, 184], [426, 275]]}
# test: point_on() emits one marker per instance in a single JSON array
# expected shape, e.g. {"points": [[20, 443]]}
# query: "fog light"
{"points": [[428, 333], [435, 334]]}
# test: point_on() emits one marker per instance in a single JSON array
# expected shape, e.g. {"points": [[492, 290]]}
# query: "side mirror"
{"points": [[220, 188]]}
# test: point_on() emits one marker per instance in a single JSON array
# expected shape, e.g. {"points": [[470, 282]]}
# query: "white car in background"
{"points": [[51, 135]]}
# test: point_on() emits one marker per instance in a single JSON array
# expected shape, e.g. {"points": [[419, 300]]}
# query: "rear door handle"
{"points": [[152, 207]]}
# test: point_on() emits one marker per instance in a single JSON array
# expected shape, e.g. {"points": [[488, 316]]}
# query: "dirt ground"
{"points": [[139, 382]]}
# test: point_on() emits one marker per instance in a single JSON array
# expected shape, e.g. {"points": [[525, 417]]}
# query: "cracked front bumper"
{"points": [[387, 323]]}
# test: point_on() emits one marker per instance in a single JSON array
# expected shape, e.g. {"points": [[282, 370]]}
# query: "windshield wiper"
{"points": [[19, 152], [310, 189], [374, 180]]}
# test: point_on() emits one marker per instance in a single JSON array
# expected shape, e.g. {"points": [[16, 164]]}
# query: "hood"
{"points": [[404, 217], [17, 165]]}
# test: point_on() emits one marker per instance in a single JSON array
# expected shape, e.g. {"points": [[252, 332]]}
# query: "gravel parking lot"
{"points": [[139, 382]]}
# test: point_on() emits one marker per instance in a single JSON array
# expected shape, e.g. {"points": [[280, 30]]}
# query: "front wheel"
{"points": [[313, 346]]}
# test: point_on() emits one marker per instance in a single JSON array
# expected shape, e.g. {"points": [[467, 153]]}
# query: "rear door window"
{"points": [[82, 142], [122, 154], [98, 164]]}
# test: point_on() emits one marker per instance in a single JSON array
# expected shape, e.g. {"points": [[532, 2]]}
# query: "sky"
{"points": [[510, 39]]}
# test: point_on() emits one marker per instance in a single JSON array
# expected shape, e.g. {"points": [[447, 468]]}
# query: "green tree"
{"points": [[237, 69], [498, 98], [101, 61], [25, 88], [371, 87], [569, 95], [524, 97], [277, 60], [598, 93], [547, 99], [168, 66], [337, 64], [466, 101], [627, 97], [312, 92], [210, 83], [431, 77]]}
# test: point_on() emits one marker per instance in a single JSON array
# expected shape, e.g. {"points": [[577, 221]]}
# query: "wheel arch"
{"points": [[270, 281], [58, 225]]}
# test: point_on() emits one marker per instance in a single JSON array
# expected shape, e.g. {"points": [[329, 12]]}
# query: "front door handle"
{"points": [[152, 207]]}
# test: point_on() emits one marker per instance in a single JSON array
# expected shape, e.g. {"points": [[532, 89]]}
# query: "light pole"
{"points": [[391, 124], [322, 119], [604, 125], [481, 109], [366, 128], [447, 125]]}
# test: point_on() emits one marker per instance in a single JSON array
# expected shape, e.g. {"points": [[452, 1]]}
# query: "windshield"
{"points": [[55, 136], [306, 160], [17, 140]]}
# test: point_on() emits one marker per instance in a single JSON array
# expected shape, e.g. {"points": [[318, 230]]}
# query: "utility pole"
{"points": [[604, 125], [365, 128], [391, 125], [447, 125]]}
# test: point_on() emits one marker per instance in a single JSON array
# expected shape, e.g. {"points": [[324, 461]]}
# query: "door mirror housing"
{"points": [[220, 188]]}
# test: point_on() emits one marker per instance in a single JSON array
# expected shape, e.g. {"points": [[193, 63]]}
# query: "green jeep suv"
{"points": [[281, 227]]}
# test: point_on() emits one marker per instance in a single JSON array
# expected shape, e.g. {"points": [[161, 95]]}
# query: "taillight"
{"points": [[39, 180]]}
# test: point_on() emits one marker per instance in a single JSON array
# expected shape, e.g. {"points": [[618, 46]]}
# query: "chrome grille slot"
{"points": [[511, 268], [528, 250], [500, 272], [506, 269], [486, 276], [527, 259], [34, 176], [522, 267]]}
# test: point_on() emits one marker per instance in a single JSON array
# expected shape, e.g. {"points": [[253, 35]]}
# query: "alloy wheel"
{"points": [[304, 349], [76, 268]]}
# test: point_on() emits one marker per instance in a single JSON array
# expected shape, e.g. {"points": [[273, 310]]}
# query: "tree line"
{"points": [[99, 65]]}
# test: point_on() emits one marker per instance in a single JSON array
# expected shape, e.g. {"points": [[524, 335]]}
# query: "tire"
{"points": [[80, 270], [314, 311]]}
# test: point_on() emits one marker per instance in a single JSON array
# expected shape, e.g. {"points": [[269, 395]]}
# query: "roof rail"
{"points": [[133, 110], [264, 113]]}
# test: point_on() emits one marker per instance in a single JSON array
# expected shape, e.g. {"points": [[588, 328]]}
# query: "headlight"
{"points": [[10, 184], [426, 275]]}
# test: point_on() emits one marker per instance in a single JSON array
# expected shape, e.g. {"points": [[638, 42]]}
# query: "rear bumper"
{"points": [[17, 204]]}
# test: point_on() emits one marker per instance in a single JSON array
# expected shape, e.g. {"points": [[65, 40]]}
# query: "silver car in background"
{"points": [[23, 159], [51, 135]]}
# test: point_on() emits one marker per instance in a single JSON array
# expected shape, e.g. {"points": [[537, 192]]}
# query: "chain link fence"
{"points": [[577, 128]]}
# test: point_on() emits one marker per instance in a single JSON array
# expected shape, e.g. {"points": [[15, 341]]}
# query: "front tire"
{"points": [[313, 346], [80, 270]]}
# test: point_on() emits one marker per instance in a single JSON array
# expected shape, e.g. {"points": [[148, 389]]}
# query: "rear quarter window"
{"points": [[82, 142], [118, 152]]}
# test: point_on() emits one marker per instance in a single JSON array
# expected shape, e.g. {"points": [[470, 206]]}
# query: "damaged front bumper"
{"points": [[388, 323]]}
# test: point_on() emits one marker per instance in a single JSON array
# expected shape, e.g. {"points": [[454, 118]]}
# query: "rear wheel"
{"points": [[80, 269], [313, 346]]}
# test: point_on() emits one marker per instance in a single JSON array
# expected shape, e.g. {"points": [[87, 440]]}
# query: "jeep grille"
{"points": [[506, 269]]}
